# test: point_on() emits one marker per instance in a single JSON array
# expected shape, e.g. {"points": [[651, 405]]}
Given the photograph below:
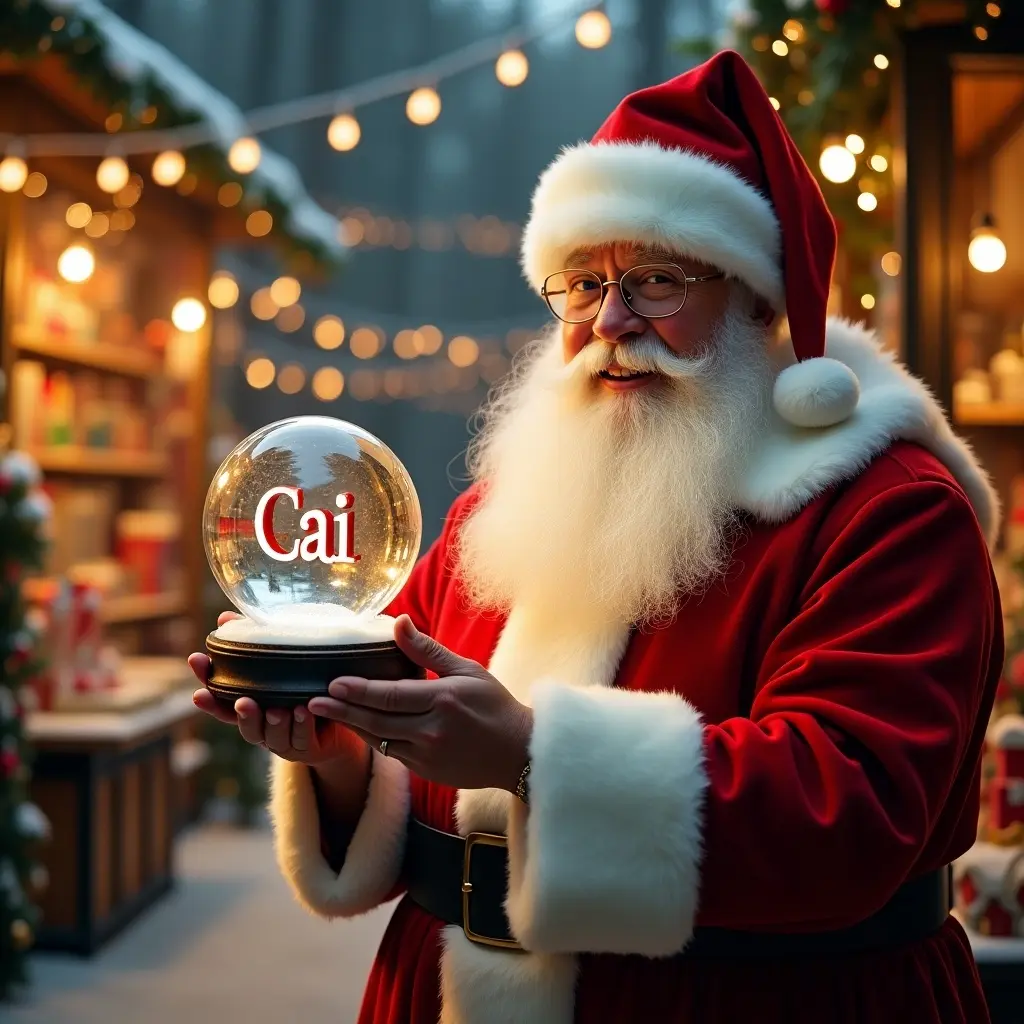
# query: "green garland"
{"points": [[828, 86], [32, 29]]}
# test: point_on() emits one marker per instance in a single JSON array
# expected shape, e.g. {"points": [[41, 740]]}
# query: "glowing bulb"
{"points": [[881, 61], [343, 133], [463, 351], [188, 315], [35, 185], [259, 223], [78, 215], [329, 332], [223, 291], [837, 163], [867, 301], [244, 155], [512, 68], [285, 291], [593, 30], [867, 201], [891, 263], [774, 102], [328, 383], [986, 252], [112, 174], [878, 162], [855, 144], [260, 373], [423, 106], [780, 47], [76, 264], [168, 168], [13, 172], [292, 379]]}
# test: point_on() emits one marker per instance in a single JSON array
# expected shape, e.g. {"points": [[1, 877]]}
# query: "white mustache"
{"points": [[641, 355]]}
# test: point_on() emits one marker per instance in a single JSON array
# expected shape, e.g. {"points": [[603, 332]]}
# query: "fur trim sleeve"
{"points": [[606, 859], [374, 857]]}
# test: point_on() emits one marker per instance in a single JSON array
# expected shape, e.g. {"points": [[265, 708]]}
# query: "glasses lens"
{"points": [[656, 290], [573, 295]]}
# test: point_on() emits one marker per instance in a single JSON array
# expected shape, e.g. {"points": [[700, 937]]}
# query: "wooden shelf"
{"points": [[989, 414], [121, 359], [99, 461], [138, 607]]}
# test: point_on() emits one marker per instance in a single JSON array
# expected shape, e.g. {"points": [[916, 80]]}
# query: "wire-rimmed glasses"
{"points": [[651, 290]]}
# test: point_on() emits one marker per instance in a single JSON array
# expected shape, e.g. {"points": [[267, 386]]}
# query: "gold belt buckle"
{"points": [[472, 840]]}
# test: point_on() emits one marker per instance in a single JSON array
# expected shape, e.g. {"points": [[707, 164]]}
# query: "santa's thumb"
{"points": [[428, 653]]}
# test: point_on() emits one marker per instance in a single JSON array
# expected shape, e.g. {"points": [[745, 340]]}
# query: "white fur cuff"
{"points": [[606, 858], [375, 853]]}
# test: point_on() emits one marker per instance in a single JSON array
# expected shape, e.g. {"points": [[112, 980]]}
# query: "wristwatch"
{"points": [[523, 785]]}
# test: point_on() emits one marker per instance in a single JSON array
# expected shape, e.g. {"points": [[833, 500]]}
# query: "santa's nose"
{"points": [[615, 321]]}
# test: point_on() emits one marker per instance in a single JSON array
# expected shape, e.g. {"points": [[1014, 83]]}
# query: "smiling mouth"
{"points": [[617, 373]]}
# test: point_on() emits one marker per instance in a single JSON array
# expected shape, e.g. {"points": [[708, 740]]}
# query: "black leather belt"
{"points": [[463, 881]]}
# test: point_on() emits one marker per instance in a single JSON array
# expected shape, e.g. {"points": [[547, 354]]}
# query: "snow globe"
{"points": [[311, 527]]}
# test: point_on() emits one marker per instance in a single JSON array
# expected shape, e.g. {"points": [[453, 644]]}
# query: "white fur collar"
{"points": [[791, 465]]}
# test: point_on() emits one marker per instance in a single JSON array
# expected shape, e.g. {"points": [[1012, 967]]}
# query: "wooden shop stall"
{"points": [[961, 104], [105, 336]]}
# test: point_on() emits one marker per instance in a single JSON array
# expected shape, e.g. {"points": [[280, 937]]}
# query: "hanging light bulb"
{"points": [[512, 68], [837, 163], [188, 315], [854, 143], [76, 263], [13, 173], [986, 251], [423, 105], [343, 133], [244, 155], [593, 30], [168, 168], [112, 174]]}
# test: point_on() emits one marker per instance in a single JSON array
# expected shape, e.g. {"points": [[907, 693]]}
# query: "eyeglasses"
{"points": [[653, 290]]}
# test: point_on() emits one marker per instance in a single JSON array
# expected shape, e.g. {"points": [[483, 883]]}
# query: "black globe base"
{"points": [[276, 676]]}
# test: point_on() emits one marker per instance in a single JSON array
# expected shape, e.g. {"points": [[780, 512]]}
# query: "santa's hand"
{"points": [[463, 729]]}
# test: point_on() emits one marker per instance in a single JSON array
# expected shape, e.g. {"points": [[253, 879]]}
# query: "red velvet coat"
{"points": [[795, 745]]}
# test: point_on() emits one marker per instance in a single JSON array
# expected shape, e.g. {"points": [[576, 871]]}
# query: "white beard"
{"points": [[615, 505]]}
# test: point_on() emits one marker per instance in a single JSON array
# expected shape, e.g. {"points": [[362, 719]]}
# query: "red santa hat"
{"points": [[703, 165]]}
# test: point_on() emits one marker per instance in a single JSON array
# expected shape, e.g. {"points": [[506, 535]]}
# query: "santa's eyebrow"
{"points": [[578, 258]]}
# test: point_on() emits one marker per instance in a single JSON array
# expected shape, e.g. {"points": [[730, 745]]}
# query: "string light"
{"points": [[429, 339], [35, 185], [78, 215], [986, 252], [259, 223], [511, 68], [112, 174], [188, 315], [867, 301], [993, 10], [780, 47], [837, 163], [262, 305], [793, 30], [260, 373], [593, 30], [343, 133], [893, 3], [867, 201], [981, 32], [855, 144], [329, 332], [328, 383], [774, 102], [291, 379], [881, 61], [891, 264], [222, 291], [229, 194], [98, 225], [365, 343], [405, 345], [168, 168], [13, 173], [122, 220], [76, 264], [130, 194], [290, 318], [244, 155], [285, 291], [463, 351], [423, 106], [878, 162]]}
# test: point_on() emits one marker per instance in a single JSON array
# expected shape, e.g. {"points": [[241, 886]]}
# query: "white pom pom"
{"points": [[816, 393]]}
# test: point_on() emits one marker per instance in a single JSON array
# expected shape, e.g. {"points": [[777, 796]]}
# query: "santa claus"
{"points": [[712, 639]]}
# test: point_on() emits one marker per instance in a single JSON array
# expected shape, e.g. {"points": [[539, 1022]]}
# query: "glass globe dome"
{"points": [[309, 522]]}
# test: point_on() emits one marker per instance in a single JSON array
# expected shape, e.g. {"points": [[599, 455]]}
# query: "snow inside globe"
{"points": [[312, 525]]}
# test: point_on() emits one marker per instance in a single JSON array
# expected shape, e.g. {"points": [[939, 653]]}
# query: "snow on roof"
{"points": [[132, 56]]}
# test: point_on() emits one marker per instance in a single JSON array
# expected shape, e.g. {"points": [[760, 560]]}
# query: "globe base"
{"points": [[278, 676]]}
